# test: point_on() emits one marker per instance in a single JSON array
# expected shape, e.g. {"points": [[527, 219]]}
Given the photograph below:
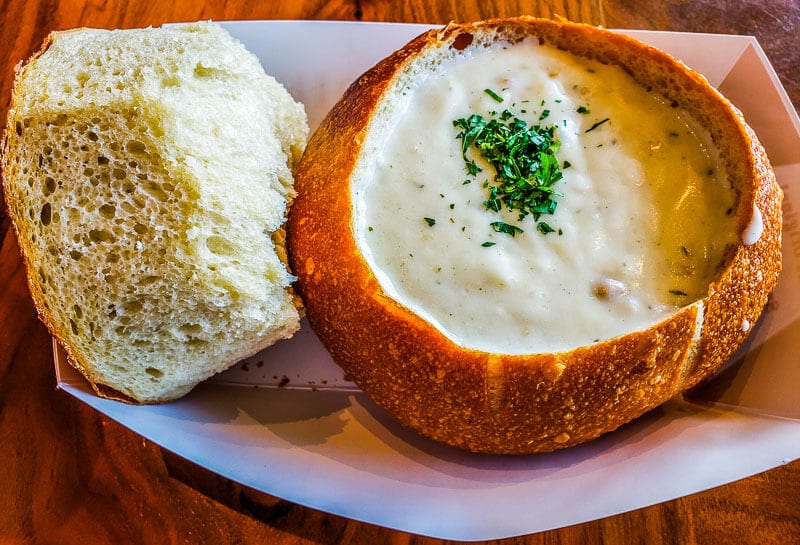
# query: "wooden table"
{"points": [[69, 475]]}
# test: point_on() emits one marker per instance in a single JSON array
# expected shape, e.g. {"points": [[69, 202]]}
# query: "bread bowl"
{"points": [[482, 397], [147, 174]]}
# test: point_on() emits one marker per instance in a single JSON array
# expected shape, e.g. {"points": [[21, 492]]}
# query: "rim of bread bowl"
{"points": [[499, 403]]}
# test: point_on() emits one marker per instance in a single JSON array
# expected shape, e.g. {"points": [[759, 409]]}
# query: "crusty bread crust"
{"points": [[521, 404]]}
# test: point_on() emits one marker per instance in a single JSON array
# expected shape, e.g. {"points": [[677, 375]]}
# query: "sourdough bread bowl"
{"points": [[354, 245], [147, 173]]}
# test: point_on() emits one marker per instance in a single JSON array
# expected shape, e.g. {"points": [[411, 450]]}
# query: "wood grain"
{"points": [[71, 476], [776, 25]]}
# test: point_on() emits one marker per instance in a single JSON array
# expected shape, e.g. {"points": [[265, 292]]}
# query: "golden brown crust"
{"points": [[520, 404]]}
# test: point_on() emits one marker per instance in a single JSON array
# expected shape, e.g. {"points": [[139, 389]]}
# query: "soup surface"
{"points": [[642, 215]]}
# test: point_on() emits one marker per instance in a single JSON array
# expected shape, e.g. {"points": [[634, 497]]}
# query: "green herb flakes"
{"points": [[523, 157], [430, 221], [494, 95], [502, 227], [544, 228]]}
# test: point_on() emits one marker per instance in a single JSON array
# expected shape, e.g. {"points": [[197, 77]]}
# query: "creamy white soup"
{"points": [[642, 219]]}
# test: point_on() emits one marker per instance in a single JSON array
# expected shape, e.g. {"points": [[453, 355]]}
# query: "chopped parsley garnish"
{"points": [[582, 110], [502, 227], [524, 159], [488, 244], [430, 221], [544, 228], [494, 95], [472, 168]]}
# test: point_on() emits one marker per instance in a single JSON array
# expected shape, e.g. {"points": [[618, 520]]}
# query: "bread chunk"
{"points": [[147, 173]]}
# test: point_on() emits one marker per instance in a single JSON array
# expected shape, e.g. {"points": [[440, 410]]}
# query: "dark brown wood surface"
{"points": [[70, 476]]}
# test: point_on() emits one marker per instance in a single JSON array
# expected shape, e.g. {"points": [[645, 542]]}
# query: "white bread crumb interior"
{"points": [[148, 174]]}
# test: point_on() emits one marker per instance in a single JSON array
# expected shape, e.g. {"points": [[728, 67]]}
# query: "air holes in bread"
{"points": [[220, 246], [155, 373], [462, 41], [46, 214]]}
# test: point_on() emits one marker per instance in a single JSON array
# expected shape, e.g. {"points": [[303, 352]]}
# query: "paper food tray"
{"points": [[306, 434]]}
